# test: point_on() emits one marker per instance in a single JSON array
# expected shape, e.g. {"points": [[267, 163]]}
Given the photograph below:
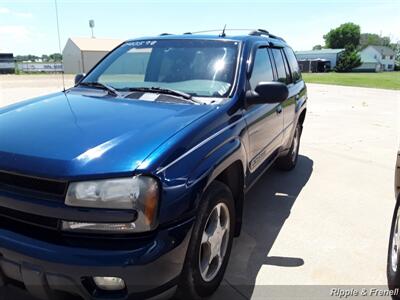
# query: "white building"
{"points": [[368, 63], [330, 55], [384, 56], [81, 54]]}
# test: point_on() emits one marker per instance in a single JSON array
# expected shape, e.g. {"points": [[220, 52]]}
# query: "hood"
{"points": [[64, 136]]}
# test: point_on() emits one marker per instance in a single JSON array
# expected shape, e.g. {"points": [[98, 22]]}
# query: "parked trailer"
{"points": [[40, 67]]}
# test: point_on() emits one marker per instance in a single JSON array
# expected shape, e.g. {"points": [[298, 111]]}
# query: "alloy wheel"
{"points": [[395, 244], [214, 242]]}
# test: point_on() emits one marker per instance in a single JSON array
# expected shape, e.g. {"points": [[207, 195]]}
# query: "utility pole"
{"points": [[91, 25]]}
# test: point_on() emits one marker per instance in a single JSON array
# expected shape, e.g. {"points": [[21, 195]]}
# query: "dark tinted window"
{"points": [[280, 65], [262, 69], [294, 66]]}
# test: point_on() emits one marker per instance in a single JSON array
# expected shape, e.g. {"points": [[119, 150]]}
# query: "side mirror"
{"points": [[79, 77], [267, 92]]}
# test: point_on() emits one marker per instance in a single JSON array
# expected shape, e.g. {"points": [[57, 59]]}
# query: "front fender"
{"points": [[219, 160], [184, 182]]}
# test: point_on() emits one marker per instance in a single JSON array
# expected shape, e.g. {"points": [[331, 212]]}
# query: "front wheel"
{"points": [[289, 161], [210, 244], [393, 261]]}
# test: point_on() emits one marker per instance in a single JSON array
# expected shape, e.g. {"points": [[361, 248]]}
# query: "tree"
{"points": [[317, 47], [345, 36], [367, 39], [347, 61], [55, 57], [28, 57]]}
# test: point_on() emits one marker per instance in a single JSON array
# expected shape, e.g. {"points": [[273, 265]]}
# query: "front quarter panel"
{"points": [[216, 142]]}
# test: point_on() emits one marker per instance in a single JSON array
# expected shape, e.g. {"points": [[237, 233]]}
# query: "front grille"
{"points": [[33, 183], [7, 214]]}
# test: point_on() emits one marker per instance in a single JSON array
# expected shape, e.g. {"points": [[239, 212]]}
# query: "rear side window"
{"points": [[262, 68], [294, 66], [280, 66]]}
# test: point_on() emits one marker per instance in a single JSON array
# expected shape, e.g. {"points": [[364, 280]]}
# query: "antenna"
{"points": [[223, 32], [59, 46]]}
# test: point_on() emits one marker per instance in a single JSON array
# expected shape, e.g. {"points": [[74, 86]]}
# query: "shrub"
{"points": [[347, 61]]}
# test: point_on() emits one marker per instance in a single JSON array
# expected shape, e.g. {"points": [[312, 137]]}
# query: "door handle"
{"points": [[278, 109]]}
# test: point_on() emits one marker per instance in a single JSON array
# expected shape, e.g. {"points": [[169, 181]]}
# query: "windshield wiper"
{"points": [[165, 91], [102, 86]]}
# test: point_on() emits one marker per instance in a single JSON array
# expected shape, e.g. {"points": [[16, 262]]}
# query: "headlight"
{"points": [[139, 193]]}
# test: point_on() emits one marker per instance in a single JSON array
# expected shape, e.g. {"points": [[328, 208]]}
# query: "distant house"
{"points": [[81, 54], [328, 56], [368, 63], [382, 55]]}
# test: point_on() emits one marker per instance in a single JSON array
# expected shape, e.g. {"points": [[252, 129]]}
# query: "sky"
{"points": [[29, 27]]}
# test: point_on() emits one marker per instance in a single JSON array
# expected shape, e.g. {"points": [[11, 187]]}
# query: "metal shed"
{"points": [[330, 55], [314, 65], [7, 63], [81, 54]]}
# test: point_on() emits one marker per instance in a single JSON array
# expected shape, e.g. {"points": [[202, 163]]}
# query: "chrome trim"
{"points": [[199, 145], [254, 166], [243, 118]]}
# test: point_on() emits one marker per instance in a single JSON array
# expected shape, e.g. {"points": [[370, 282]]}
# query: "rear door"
{"points": [[289, 105], [264, 121]]}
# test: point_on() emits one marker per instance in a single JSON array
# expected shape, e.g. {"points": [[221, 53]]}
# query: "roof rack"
{"points": [[259, 32], [254, 32], [218, 30]]}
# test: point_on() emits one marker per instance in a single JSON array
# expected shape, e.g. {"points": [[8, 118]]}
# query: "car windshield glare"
{"points": [[202, 68]]}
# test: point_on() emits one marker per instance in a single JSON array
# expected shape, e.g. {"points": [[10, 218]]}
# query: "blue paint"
{"points": [[86, 134]]}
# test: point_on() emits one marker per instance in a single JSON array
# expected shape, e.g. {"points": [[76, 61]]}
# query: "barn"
{"points": [[81, 54], [327, 55]]}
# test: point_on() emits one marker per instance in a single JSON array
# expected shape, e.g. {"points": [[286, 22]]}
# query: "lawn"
{"points": [[383, 80]]}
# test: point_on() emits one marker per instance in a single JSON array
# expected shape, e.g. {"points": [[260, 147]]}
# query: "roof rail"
{"points": [[255, 32], [165, 33], [218, 30], [259, 32]]}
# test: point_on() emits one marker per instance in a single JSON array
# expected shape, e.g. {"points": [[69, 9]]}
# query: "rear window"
{"points": [[294, 66], [280, 65]]}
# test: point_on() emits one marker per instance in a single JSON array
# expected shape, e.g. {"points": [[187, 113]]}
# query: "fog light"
{"points": [[98, 227], [109, 283]]}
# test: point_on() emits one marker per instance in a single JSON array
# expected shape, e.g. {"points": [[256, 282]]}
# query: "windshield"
{"points": [[203, 68]]}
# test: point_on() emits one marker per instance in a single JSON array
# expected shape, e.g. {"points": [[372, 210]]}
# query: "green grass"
{"points": [[383, 80]]}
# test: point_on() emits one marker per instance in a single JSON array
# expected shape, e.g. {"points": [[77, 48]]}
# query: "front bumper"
{"points": [[46, 269]]}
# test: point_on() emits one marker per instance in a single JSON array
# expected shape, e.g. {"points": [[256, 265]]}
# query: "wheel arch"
{"points": [[233, 176], [302, 116]]}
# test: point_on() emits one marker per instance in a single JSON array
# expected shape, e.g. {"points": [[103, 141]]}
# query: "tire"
{"points": [[194, 282], [393, 260], [289, 161]]}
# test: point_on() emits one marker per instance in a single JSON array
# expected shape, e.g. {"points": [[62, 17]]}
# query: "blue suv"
{"points": [[132, 183]]}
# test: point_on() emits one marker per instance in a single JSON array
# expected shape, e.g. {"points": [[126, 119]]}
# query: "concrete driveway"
{"points": [[326, 223]]}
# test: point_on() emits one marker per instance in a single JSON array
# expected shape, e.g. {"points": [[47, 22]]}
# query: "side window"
{"points": [[262, 68], [294, 66], [280, 66]]}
